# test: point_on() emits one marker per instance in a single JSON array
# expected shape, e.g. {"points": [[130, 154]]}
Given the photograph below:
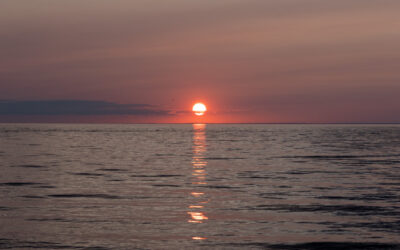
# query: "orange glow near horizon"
{"points": [[199, 109]]}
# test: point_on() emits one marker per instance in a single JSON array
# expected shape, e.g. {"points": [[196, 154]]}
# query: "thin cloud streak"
{"points": [[77, 107]]}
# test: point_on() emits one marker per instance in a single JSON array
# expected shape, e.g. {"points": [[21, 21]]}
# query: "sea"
{"points": [[199, 186]]}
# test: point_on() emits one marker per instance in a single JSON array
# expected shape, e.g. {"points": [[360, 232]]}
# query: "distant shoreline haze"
{"points": [[88, 111]]}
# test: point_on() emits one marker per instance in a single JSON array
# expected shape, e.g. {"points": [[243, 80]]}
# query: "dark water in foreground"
{"points": [[213, 186]]}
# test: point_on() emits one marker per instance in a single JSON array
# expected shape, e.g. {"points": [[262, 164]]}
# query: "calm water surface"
{"points": [[199, 186]]}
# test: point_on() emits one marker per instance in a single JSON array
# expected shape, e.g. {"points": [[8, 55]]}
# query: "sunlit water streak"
{"points": [[199, 176], [206, 186]]}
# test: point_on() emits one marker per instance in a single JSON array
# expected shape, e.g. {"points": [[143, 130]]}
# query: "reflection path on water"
{"points": [[199, 174]]}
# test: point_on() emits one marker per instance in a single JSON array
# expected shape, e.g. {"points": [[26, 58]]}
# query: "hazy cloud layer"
{"points": [[76, 107]]}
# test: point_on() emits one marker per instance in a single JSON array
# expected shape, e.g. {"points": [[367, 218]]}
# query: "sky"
{"points": [[249, 61]]}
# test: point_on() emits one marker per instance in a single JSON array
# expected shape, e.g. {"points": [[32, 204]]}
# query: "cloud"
{"points": [[76, 107]]}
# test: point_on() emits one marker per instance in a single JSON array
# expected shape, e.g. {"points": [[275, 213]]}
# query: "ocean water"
{"points": [[199, 186]]}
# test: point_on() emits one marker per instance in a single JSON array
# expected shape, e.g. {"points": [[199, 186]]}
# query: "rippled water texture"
{"points": [[201, 186]]}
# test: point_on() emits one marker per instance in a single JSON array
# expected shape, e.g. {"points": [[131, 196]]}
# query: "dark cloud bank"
{"points": [[76, 107]]}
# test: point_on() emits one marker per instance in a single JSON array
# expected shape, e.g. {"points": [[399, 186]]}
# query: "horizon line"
{"points": [[248, 123]]}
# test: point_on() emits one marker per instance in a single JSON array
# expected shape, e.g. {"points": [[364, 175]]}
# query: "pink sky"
{"points": [[248, 61]]}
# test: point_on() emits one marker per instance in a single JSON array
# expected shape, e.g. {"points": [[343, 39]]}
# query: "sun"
{"points": [[199, 109]]}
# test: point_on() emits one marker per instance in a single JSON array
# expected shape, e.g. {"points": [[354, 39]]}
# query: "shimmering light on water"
{"points": [[211, 186]]}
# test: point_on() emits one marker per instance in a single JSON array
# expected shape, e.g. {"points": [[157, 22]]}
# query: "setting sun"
{"points": [[199, 109]]}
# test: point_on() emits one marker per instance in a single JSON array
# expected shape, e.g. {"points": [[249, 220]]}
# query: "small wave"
{"points": [[87, 174], [49, 219], [165, 185], [227, 140], [367, 197], [29, 166], [281, 195], [111, 169], [18, 184], [224, 158], [80, 220], [32, 196], [320, 245], [45, 186], [102, 196], [384, 226], [93, 164], [13, 244], [298, 172], [260, 176], [337, 209], [337, 156], [155, 176], [220, 186], [389, 183]]}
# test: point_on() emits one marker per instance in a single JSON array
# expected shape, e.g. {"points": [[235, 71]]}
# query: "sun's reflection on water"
{"points": [[199, 173]]}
